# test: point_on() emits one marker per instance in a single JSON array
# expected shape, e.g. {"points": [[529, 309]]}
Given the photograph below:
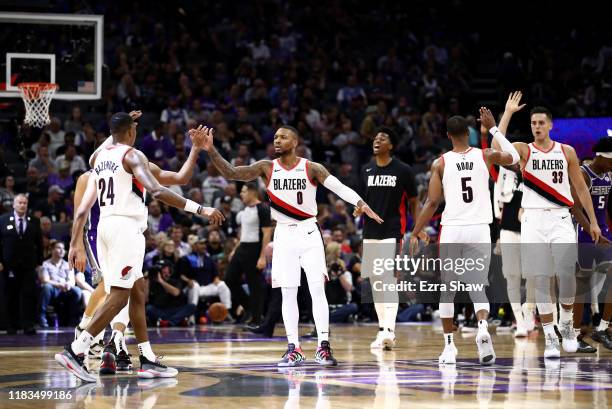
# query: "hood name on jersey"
{"points": [[465, 166], [289, 184], [106, 165], [547, 164], [382, 180]]}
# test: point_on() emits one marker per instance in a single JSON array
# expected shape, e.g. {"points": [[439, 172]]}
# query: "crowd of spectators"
{"points": [[336, 73]]}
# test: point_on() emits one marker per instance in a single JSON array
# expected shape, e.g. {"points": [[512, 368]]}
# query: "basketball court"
{"points": [[221, 366], [224, 367]]}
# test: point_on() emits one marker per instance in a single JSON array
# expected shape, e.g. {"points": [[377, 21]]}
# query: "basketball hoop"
{"points": [[37, 98]]}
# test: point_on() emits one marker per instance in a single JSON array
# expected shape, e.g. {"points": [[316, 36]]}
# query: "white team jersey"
{"points": [[466, 189], [546, 179], [292, 194], [119, 192]]}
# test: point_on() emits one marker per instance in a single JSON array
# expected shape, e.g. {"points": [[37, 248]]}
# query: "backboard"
{"points": [[66, 49]]}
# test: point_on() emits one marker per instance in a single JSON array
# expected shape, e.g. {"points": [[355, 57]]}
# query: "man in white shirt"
{"points": [[58, 283]]}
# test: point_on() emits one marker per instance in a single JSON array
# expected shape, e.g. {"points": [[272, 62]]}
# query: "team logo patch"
{"points": [[126, 273]]}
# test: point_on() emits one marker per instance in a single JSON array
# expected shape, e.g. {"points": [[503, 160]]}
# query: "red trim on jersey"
{"points": [[308, 176], [527, 160], [402, 212], [542, 150], [287, 206], [139, 185], [291, 168], [270, 175], [492, 170], [547, 189]]}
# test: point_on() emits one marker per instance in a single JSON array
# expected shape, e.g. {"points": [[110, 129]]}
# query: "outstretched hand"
{"points": [[513, 103], [202, 137], [364, 208], [135, 114], [486, 118], [215, 217]]}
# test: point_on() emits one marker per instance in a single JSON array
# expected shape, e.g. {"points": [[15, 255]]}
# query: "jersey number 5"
{"points": [[467, 192], [109, 190]]}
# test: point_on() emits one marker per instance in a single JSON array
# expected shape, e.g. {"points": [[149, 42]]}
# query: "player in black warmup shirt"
{"points": [[389, 187]]}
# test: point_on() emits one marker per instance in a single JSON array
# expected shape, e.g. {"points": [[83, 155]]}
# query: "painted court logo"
{"points": [[126, 273]]}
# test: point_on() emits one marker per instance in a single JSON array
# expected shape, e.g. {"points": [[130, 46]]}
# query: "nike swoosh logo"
{"points": [[564, 217], [368, 169], [311, 231], [277, 170]]}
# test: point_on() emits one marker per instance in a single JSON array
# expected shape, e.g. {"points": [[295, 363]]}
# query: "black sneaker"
{"points": [[124, 362], [109, 359], [149, 369], [324, 355], [603, 337], [292, 357], [585, 348], [74, 363]]}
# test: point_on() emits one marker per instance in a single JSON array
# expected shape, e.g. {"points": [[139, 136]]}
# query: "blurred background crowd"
{"points": [[336, 73]]}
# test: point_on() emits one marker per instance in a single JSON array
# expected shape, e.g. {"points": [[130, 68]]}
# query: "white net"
{"points": [[37, 98]]}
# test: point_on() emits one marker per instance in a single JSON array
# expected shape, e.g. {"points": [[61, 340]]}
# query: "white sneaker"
{"points": [[388, 340], [378, 342], [521, 331], [529, 315], [449, 355], [486, 354], [570, 341], [552, 348]]}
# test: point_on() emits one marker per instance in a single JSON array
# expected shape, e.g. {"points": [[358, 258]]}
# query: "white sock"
{"points": [[555, 314], [82, 343], [603, 325], [566, 315], [448, 339], [390, 315], [320, 310], [117, 337], [577, 331], [518, 314], [145, 350], [380, 313], [483, 325], [124, 345], [84, 321], [291, 314], [549, 328]]}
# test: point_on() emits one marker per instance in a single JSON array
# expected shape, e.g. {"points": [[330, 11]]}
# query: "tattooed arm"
{"points": [[243, 173]]}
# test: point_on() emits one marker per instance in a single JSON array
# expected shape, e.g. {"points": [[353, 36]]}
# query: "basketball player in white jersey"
{"points": [[461, 178], [548, 237], [115, 356], [121, 176], [292, 185]]}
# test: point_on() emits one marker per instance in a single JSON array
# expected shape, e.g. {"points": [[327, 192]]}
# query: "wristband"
{"points": [[192, 207]]}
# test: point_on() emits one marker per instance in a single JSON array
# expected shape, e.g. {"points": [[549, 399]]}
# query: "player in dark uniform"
{"points": [[389, 187], [591, 257]]}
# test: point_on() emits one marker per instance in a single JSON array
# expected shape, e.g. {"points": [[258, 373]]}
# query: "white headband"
{"points": [[604, 154]]}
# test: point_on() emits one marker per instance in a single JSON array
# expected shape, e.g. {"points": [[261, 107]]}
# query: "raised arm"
{"points": [[513, 105], [434, 198], [582, 193], [317, 172], [243, 173], [137, 163], [508, 155]]}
